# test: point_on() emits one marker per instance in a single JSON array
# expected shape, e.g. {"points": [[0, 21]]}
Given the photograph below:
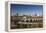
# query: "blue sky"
{"points": [[23, 9]]}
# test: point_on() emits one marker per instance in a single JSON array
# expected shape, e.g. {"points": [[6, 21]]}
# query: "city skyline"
{"points": [[23, 9]]}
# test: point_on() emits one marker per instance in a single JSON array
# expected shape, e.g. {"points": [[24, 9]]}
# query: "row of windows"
{"points": [[31, 20]]}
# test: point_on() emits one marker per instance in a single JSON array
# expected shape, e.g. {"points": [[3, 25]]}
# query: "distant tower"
{"points": [[17, 14], [35, 14]]}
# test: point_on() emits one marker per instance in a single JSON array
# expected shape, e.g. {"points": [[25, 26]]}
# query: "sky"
{"points": [[23, 9]]}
